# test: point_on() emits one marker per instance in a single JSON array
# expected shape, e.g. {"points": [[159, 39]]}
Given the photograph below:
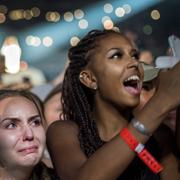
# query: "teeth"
{"points": [[133, 77]]}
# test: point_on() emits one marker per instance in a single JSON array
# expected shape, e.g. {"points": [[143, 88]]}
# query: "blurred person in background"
{"points": [[52, 105], [2, 69], [52, 112], [44, 89], [147, 57]]}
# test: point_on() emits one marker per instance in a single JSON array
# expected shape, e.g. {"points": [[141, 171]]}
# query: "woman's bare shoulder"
{"points": [[61, 127]]}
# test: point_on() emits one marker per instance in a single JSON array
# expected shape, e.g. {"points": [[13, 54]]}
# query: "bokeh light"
{"points": [[147, 29], [120, 12], [127, 8], [52, 16], [83, 24], [74, 40], [16, 14], [33, 41], [155, 14], [108, 8], [3, 9], [68, 16], [108, 24], [47, 41], [35, 11], [78, 14], [104, 18], [27, 14], [2, 18]]}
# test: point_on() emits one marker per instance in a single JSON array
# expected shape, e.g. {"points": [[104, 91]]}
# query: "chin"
{"points": [[133, 104], [30, 160]]}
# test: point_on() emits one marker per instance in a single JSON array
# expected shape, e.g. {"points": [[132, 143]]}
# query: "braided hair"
{"points": [[77, 102], [76, 99]]}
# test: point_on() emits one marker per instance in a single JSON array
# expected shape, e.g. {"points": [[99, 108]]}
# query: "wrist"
{"points": [[152, 114], [140, 127], [140, 150]]}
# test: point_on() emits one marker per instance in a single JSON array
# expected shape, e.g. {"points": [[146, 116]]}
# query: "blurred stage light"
{"points": [[147, 29], [16, 14], [120, 12], [78, 14], [35, 11], [47, 41], [108, 24], [12, 53], [74, 40], [127, 8], [68, 16], [62, 31], [83, 24], [108, 8], [3, 9], [2, 18], [155, 14]]}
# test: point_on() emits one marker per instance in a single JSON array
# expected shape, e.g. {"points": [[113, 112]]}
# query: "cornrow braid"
{"points": [[77, 103], [76, 98]]}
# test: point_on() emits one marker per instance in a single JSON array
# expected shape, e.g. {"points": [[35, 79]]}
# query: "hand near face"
{"points": [[169, 86]]}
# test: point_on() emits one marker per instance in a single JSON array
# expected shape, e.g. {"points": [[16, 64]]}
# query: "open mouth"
{"points": [[133, 84]]}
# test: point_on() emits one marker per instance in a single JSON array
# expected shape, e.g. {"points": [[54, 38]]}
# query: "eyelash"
{"points": [[9, 124], [116, 55], [136, 55], [37, 122]]}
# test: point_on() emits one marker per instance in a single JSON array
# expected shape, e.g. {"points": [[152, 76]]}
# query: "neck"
{"points": [[109, 119], [15, 173]]}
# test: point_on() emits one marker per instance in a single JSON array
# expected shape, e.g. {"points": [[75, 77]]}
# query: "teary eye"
{"points": [[36, 121], [11, 125]]}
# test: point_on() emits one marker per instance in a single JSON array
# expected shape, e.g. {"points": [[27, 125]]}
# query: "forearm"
{"points": [[154, 112], [170, 164], [109, 161]]}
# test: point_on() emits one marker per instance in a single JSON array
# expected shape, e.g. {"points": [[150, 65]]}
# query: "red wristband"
{"points": [[142, 153]]}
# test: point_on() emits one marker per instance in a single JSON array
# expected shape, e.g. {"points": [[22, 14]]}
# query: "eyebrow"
{"points": [[33, 117], [133, 49], [115, 49], [17, 119], [9, 118]]}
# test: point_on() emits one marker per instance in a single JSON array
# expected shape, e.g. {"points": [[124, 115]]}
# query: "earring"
{"points": [[94, 86], [80, 76]]}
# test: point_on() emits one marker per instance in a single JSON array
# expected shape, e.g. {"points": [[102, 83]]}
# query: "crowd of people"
{"points": [[111, 115]]}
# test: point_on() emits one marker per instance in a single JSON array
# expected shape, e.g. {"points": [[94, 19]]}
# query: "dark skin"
{"points": [[112, 63], [164, 135]]}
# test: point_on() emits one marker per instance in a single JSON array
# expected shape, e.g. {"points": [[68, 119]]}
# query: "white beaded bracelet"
{"points": [[140, 127]]}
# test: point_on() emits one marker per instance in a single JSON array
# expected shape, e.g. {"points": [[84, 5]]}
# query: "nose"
{"points": [[134, 64], [28, 134]]}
